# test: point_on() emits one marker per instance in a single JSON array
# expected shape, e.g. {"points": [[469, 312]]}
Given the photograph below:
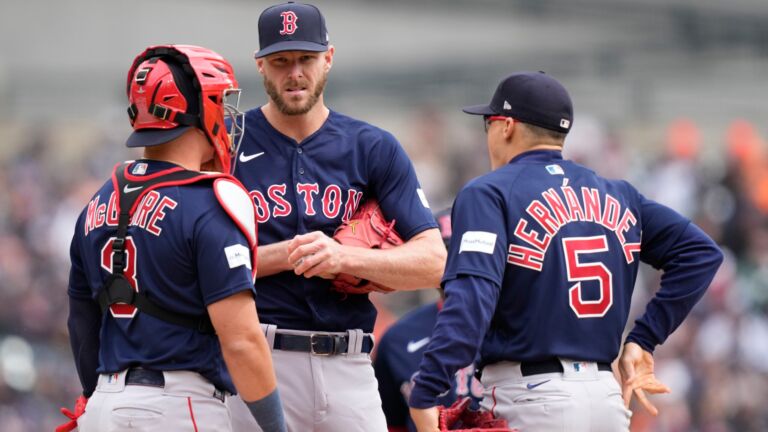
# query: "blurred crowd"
{"points": [[715, 362]]}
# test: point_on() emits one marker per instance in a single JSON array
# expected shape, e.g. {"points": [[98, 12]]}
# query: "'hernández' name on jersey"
{"points": [[561, 244], [558, 207], [312, 186], [184, 251]]}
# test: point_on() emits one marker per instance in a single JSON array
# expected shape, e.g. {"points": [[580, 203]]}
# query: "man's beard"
{"points": [[289, 109]]}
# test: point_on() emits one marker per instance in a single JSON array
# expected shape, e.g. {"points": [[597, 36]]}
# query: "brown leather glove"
{"points": [[458, 417], [367, 228]]}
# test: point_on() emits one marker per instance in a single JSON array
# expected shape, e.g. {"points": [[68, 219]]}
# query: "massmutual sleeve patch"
{"points": [[238, 255], [478, 241]]}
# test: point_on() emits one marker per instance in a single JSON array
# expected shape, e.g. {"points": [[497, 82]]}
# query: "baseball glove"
{"points": [[367, 228], [458, 417], [71, 425]]}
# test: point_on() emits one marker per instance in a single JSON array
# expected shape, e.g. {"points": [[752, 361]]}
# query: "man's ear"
{"points": [[510, 125], [260, 65], [329, 57]]}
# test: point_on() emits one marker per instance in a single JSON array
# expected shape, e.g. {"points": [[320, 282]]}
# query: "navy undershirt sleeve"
{"points": [[84, 325], [84, 322], [689, 260], [461, 326]]}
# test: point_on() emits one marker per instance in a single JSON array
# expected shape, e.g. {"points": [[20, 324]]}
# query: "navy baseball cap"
{"points": [[291, 27], [530, 97]]}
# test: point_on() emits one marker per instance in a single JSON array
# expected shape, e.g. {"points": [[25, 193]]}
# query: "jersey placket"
{"points": [[299, 175]]}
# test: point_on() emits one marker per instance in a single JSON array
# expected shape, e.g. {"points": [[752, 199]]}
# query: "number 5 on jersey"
{"points": [[578, 272], [122, 310]]}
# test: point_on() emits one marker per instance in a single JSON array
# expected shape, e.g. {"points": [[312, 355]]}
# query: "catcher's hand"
{"points": [[637, 377], [80, 404], [367, 228]]}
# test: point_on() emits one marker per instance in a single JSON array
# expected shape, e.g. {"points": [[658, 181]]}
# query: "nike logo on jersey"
{"points": [[414, 346], [244, 158], [532, 386], [127, 189]]}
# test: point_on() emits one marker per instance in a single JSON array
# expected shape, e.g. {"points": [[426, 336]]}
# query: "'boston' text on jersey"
{"points": [[331, 198]]}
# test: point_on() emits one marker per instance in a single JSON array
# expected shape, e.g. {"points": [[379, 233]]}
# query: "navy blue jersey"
{"points": [[184, 252], [545, 254], [397, 360], [313, 186]]}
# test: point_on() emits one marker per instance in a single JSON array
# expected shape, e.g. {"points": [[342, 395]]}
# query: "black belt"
{"points": [[319, 344], [552, 366], [145, 377], [153, 378]]}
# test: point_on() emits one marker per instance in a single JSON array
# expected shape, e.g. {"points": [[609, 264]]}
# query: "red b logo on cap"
{"points": [[289, 23]]}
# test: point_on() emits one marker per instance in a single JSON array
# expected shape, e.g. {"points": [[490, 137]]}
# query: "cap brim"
{"points": [[291, 46], [479, 110], [153, 137]]}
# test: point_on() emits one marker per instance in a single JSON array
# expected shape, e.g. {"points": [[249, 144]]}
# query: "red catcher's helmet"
{"points": [[172, 88]]}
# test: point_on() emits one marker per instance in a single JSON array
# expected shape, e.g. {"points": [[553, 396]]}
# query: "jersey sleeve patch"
{"points": [[238, 255], [478, 241], [238, 205], [422, 197]]}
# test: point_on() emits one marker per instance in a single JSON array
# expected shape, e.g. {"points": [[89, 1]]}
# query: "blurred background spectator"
{"points": [[669, 94]]}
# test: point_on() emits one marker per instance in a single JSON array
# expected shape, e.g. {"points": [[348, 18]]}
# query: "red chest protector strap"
{"points": [[130, 189]]}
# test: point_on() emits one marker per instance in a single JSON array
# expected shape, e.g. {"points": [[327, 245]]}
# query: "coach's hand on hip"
{"points": [[426, 420], [636, 366]]}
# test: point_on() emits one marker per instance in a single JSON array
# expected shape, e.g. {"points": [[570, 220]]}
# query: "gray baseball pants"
{"points": [[580, 399], [337, 393], [186, 402]]}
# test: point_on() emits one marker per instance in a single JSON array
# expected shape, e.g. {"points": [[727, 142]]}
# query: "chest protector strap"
{"points": [[130, 189]]}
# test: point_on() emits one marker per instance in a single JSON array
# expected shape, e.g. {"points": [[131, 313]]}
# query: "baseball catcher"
{"points": [[162, 321]]}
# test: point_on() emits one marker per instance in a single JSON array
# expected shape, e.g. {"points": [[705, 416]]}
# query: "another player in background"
{"points": [[162, 319], [399, 353], [307, 169], [540, 275]]}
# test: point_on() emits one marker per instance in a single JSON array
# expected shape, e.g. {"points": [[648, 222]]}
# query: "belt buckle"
{"points": [[317, 339]]}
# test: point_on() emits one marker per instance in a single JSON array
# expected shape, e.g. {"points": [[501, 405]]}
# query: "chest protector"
{"points": [[130, 190]]}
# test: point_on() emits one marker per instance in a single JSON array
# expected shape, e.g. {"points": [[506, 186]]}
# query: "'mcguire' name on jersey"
{"points": [[150, 211], [553, 211]]}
